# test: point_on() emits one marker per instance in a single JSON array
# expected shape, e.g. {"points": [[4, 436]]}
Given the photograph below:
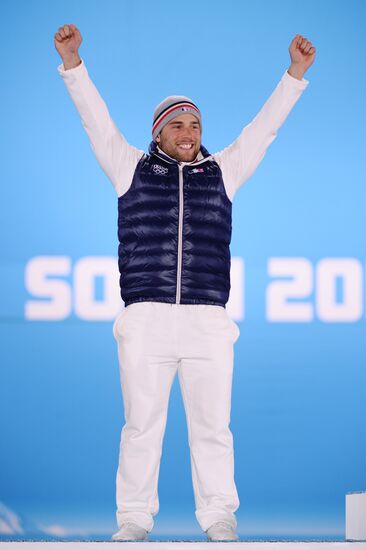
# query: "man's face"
{"points": [[181, 138]]}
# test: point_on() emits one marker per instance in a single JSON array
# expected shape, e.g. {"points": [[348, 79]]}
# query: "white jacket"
{"points": [[119, 159]]}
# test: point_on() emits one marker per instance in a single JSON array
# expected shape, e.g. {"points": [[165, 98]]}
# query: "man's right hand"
{"points": [[67, 43]]}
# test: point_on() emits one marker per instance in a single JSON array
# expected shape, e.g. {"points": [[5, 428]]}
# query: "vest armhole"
{"points": [[124, 187], [227, 188]]}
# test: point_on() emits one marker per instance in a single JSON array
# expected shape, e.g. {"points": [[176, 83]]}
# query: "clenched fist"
{"points": [[302, 53], [67, 43]]}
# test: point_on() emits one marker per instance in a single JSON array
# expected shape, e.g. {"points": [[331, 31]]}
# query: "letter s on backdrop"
{"points": [[56, 303]]}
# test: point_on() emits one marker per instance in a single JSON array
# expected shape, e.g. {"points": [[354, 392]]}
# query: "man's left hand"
{"points": [[302, 54]]}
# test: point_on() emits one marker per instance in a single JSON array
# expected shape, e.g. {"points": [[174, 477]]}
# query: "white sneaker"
{"points": [[130, 532], [221, 531]]}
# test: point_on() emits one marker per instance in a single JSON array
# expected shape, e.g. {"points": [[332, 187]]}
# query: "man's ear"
{"points": [[157, 139]]}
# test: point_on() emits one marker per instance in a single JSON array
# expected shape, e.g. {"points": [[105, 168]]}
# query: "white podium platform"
{"points": [[272, 545]]}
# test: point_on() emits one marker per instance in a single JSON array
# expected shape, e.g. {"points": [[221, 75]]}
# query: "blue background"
{"points": [[298, 410]]}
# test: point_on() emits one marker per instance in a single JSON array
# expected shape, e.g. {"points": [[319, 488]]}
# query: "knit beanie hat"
{"points": [[170, 108]]}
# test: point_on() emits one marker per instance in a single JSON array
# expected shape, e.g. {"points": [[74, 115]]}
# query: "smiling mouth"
{"points": [[186, 146]]}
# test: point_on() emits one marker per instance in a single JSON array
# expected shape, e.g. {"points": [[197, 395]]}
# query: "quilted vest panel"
{"points": [[174, 231]]}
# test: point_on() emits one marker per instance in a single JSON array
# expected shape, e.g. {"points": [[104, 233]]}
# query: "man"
{"points": [[174, 229]]}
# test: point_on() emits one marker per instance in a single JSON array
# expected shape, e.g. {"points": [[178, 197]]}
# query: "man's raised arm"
{"points": [[239, 160], [115, 155]]}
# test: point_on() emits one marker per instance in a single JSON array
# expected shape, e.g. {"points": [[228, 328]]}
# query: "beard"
{"points": [[180, 154]]}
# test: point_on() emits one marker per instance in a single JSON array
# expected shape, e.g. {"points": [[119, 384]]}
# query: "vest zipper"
{"points": [[180, 224], [180, 235]]}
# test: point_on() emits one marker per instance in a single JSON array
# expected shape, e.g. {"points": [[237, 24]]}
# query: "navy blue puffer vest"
{"points": [[174, 230]]}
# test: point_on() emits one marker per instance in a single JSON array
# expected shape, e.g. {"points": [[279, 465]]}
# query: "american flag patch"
{"points": [[196, 170]]}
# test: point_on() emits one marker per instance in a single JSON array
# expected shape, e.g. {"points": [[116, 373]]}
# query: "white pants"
{"points": [[156, 340]]}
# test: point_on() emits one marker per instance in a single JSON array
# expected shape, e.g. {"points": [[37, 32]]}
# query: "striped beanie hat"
{"points": [[170, 108]]}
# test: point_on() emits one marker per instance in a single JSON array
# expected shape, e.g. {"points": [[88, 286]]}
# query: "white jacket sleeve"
{"points": [[116, 156], [239, 160]]}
